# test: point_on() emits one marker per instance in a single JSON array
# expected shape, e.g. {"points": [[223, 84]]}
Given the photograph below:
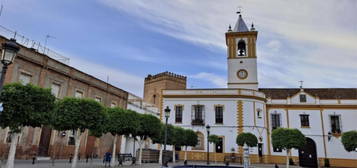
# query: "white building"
{"points": [[320, 114]]}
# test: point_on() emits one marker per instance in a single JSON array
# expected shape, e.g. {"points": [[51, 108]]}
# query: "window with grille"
{"points": [[25, 78], [198, 112], [219, 114], [304, 119], [78, 94], [113, 104], [275, 121], [197, 115], [335, 124], [302, 98], [55, 89], [98, 99], [178, 114]]}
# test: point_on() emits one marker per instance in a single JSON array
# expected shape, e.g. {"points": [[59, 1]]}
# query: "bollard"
{"points": [[33, 160], [87, 157], [185, 162], [70, 158], [133, 161]]}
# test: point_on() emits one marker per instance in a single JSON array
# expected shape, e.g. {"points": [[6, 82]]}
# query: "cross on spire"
{"points": [[301, 83], [239, 10]]}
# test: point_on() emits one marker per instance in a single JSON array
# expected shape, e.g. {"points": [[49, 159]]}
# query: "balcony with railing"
{"points": [[198, 122], [197, 115]]}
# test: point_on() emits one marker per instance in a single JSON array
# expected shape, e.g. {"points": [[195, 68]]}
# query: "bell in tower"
{"points": [[241, 48]]}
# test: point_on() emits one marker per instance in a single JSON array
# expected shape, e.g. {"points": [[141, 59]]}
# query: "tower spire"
{"points": [[240, 25]]}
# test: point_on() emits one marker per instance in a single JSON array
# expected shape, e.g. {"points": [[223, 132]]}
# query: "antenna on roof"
{"points": [[46, 39]]}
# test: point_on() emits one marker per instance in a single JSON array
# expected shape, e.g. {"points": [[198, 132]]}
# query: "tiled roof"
{"points": [[322, 93]]}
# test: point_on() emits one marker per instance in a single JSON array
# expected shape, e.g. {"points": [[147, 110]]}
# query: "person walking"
{"points": [[107, 159]]}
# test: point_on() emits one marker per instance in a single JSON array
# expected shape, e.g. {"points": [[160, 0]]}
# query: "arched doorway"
{"points": [[307, 154]]}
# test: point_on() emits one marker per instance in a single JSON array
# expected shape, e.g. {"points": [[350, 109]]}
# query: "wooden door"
{"points": [[44, 141], [307, 154]]}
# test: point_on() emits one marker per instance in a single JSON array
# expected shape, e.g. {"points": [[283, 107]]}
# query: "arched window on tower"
{"points": [[241, 48], [154, 98]]}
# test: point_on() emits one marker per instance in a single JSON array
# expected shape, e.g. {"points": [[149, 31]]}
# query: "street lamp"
{"points": [[9, 52], [167, 115], [208, 129]]}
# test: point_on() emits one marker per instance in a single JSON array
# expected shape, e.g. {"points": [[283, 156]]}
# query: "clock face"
{"points": [[242, 74]]}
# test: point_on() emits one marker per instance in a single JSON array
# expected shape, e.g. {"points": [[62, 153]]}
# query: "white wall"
{"points": [[229, 127], [334, 147]]}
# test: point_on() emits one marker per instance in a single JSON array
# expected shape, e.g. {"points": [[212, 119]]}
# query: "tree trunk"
{"points": [[77, 137], [12, 152], [140, 151], [160, 155], [185, 152], [112, 162], [173, 154], [287, 158]]}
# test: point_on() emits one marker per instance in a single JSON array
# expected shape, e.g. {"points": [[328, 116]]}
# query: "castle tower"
{"points": [[242, 58], [154, 84]]}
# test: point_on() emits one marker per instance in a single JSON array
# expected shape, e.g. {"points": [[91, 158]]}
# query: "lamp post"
{"points": [[208, 129], [9, 52], [167, 115]]}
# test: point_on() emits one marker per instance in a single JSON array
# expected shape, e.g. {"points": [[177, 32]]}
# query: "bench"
{"points": [[42, 158], [125, 156]]}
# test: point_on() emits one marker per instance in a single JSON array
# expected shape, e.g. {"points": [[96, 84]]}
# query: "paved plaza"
{"points": [[99, 164]]}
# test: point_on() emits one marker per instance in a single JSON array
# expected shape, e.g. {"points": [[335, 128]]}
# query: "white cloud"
{"points": [[274, 45], [321, 35], [216, 80], [118, 78]]}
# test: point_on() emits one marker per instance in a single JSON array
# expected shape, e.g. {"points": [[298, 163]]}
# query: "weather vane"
{"points": [[239, 9], [301, 83]]}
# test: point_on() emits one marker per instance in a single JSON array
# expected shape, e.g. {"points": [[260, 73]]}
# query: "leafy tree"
{"points": [[349, 140], [121, 122], [190, 139], [247, 138], [77, 115], [287, 139], [178, 140], [149, 126], [24, 106], [213, 139], [160, 139]]}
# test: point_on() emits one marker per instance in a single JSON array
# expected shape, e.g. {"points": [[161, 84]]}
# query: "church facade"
{"points": [[321, 114]]}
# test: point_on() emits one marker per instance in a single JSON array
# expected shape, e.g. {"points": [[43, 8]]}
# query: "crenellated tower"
{"points": [[154, 84]]}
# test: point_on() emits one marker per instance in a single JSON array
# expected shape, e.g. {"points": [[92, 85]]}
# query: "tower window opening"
{"points": [[154, 98], [241, 48]]}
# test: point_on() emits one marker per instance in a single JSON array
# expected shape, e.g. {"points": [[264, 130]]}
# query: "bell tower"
{"points": [[242, 58]]}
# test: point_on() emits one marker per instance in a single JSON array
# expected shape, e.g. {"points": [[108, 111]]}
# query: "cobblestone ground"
{"points": [[99, 164]]}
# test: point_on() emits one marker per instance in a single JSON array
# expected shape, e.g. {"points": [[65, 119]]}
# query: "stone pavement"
{"points": [[99, 164]]}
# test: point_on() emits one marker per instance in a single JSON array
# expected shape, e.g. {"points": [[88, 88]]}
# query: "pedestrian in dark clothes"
{"points": [[107, 158]]}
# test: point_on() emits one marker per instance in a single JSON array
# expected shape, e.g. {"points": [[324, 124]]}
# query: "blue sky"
{"points": [[314, 41]]}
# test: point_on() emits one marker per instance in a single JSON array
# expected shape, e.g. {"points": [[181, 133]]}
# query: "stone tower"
{"points": [[154, 84], [242, 58]]}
